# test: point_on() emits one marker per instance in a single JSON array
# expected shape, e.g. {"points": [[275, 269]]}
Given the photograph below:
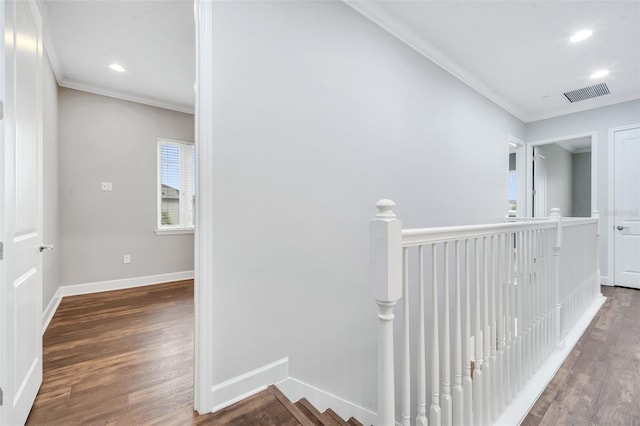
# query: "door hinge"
{"points": [[1, 110], [0, 397], [1, 250]]}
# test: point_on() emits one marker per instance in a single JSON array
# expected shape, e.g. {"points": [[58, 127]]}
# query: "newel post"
{"points": [[598, 288], [386, 282], [555, 216]]}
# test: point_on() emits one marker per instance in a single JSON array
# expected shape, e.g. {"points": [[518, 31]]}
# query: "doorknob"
{"points": [[619, 227], [44, 247]]}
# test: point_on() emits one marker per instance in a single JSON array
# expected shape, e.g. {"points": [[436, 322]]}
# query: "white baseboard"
{"points": [[295, 389], [50, 310], [238, 388], [527, 397], [77, 289], [604, 280]]}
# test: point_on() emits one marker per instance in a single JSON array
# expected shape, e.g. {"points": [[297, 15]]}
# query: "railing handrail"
{"points": [[519, 318], [419, 236], [576, 221]]}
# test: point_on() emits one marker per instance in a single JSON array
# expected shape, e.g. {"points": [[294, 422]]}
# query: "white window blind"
{"points": [[176, 185]]}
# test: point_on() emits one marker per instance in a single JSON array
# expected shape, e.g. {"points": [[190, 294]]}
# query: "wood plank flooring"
{"points": [[599, 383], [126, 358]]}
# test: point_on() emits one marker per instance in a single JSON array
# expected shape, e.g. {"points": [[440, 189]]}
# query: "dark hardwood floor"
{"points": [[599, 383], [119, 357], [126, 358]]}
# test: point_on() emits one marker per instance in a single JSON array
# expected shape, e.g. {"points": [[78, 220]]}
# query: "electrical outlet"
{"points": [[106, 186], [126, 258]]}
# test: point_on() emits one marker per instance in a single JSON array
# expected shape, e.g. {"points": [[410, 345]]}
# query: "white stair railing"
{"points": [[492, 301]]}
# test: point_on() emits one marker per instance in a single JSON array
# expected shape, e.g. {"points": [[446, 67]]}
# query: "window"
{"points": [[176, 186]]}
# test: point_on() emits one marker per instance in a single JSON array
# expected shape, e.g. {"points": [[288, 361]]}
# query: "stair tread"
{"points": [[295, 411], [311, 412], [354, 422], [335, 417]]}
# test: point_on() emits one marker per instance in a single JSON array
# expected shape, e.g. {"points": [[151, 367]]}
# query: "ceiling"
{"points": [[517, 53], [577, 145], [154, 40]]}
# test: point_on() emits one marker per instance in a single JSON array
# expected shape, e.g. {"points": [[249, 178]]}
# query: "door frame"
{"points": [[519, 147], [204, 355], [611, 265], [594, 166]]}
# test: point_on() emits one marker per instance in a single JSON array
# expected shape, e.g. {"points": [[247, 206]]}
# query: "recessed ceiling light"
{"points": [[117, 68], [600, 74], [580, 35]]}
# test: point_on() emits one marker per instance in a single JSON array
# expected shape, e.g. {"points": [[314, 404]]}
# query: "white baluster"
{"points": [[406, 336], [508, 327], [495, 389], [467, 384], [421, 418], [555, 216], [457, 394], [518, 374], [386, 281], [533, 305], [501, 261], [526, 325], [486, 366], [478, 384], [596, 288], [447, 407], [434, 411]]}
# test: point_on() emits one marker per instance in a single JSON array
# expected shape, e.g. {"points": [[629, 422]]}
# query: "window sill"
{"points": [[177, 231]]}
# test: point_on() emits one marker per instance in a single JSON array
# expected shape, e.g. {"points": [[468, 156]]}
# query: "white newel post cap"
{"points": [[386, 253], [385, 208], [554, 212]]}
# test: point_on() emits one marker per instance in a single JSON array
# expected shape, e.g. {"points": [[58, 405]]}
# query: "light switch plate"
{"points": [[106, 186]]}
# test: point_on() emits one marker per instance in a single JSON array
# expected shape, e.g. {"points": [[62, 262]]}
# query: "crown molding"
{"points": [[48, 43], [63, 81], [71, 84], [585, 106], [383, 18]]}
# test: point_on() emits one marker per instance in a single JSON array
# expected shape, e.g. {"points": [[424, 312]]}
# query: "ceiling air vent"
{"points": [[594, 91]]}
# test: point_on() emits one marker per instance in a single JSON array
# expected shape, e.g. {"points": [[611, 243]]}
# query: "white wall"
{"points": [[581, 182], [106, 139], [319, 113], [598, 120], [50, 234], [559, 177]]}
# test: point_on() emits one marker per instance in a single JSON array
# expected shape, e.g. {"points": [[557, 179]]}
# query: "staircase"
{"points": [[271, 407]]}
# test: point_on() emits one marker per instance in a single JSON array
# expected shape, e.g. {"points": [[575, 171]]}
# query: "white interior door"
{"points": [[539, 185], [627, 207], [21, 209]]}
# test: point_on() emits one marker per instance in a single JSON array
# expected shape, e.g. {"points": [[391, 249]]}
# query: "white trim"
{"points": [[96, 287], [594, 164], [176, 231], [51, 309], [204, 355], [604, 280], [383, 18], [527, 397], [70, 84], [521, 192], [611, 99], [239, 387], [295, 389], [611, 265], [377, 13]]}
